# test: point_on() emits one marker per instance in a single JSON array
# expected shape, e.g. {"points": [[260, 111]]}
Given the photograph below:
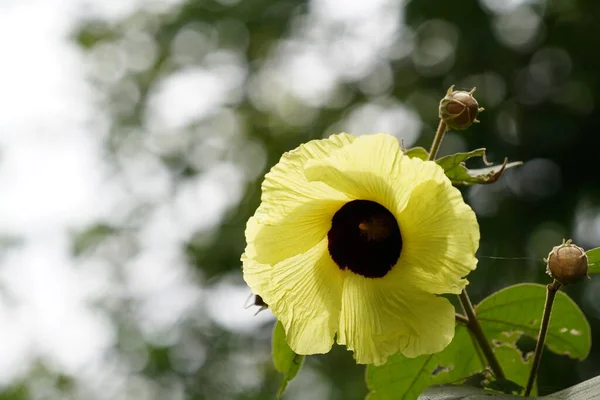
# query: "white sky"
{"points": [[53, 182], [49, 180]]}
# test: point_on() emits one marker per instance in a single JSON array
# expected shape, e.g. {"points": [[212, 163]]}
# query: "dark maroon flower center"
{"points": [[365, 238]]}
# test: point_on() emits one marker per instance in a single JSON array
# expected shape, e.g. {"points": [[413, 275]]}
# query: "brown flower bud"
{"points": [[458, 109], [567, 263]]}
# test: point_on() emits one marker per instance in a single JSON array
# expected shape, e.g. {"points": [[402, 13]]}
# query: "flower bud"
{"points": [[567, 263], [458, 109]]}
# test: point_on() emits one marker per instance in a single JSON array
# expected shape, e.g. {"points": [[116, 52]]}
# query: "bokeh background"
{"points": [[134, 135]]}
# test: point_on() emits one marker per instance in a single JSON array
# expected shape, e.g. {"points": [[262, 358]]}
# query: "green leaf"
{"points": [[515, 366], [504, 317], [593, 260], [459, 363], [286, 361], [455, 160], [589, 389], [406, 378], [489, 174], [455, 169], [417, 152], [517, 310]]}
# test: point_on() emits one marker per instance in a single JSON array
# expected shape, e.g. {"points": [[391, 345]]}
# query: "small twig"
{"points": [[551, 291], [462, 319], [475, 328]]}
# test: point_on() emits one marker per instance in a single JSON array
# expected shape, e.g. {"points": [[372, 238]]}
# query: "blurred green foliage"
{"points": [[540, 95]]}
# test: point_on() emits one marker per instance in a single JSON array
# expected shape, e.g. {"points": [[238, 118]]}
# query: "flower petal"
{"points": [[440, 237], [287, 260], [272, 242], [440, 234], [373, 168], [294, 214], [380, 318], [304, 292]]}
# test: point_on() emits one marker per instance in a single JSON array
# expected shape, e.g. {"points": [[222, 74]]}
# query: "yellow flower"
{"points": [[354, 238]]}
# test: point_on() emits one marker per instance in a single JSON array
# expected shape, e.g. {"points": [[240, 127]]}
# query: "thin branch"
{"points": [[461, 319], [471, 319], [437, 140], [551, 291], [477, 332]]}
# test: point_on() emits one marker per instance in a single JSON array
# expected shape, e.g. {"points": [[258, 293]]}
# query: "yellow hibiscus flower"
{"points": [[354, 238]]}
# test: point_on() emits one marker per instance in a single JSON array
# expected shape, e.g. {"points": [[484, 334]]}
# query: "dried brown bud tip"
{"points": [[459, 109], [567, 263]]}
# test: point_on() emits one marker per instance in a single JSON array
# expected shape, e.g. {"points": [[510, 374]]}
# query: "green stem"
{"points": [[437, 140], [471, 320], [551, 291], [475, 328]]}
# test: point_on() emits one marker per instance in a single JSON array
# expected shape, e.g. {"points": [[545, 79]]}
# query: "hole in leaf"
{"points": [[526, 346], [441, 368], [500, 343], [511, 338]]}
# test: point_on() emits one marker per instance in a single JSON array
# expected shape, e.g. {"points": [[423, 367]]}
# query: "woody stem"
{"points": [[471, 321], [551, 291], [475, 328]]}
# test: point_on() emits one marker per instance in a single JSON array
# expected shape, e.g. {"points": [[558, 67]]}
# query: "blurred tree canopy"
{"points": [[218, 90]]}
